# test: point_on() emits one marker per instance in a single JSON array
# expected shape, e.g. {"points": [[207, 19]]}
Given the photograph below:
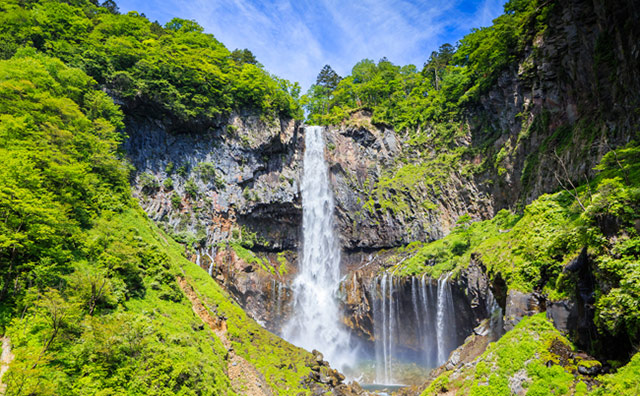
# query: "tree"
{"points": [[111, 6], [183, 26], [328, 78], [242, 56], [437, 63]]}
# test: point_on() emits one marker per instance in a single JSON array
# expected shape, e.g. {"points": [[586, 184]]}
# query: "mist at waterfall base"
{"points": [[414, 318]]}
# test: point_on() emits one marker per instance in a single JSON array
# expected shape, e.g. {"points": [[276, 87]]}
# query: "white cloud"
{"points": [[295, 38]]}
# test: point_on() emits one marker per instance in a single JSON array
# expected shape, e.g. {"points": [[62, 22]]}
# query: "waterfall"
{"points": [[494, 311], [279, 302], [315, 323], [446, 325], [427, 304]]}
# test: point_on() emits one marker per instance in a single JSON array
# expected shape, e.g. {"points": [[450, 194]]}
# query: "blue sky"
{"points": [[293, 39]]}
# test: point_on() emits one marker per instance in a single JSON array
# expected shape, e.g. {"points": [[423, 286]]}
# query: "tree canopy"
{"points": [[176, 70]]}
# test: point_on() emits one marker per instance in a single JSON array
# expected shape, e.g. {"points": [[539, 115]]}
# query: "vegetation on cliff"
{"points": [[176, 70], [410, 99], [533, 358], [531, 251]]}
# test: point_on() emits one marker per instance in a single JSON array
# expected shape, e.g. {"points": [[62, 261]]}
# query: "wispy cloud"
{"points": [[295, 38]]}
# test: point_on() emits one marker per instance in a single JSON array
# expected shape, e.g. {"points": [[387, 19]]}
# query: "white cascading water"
{"points": [[431, 309], [445, 323], [315, 323], [384, 329]]}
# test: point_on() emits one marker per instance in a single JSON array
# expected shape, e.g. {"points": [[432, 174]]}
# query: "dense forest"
{"points": [[98, 299]]}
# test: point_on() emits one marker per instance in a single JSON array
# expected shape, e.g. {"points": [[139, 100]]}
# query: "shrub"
{"points": [[176, 201]]}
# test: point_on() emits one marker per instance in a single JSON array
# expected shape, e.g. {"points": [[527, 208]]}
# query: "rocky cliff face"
{"points": [[232, 182], [232, 196], [570, 99], [361, 156]]}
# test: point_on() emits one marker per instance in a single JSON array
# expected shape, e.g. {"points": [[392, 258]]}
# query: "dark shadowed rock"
{"points": [[519, 305]]}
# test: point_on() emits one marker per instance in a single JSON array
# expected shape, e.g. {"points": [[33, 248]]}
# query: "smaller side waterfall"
{"points": [[424, 302], [278, 290], [446, 325], [496, 322], [204, 254]]}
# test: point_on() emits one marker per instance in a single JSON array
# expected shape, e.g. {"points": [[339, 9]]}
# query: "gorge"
{"points": [[176, 220]]}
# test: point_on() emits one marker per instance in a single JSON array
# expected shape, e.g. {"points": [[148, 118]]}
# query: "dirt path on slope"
{"points": [[5, 360], [245, 378]]}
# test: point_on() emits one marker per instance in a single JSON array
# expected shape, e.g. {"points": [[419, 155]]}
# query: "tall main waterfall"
{"points": [[315, 323]]}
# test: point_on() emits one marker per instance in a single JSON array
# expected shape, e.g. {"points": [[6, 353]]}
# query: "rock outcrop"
{"points": [[362, 156], [237, 181]]}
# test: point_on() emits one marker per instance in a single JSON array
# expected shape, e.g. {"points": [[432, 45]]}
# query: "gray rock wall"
{"points": [[246, 173]]}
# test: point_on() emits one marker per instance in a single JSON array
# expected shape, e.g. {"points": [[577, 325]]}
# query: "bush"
{"points": [[176, 201], [149, 183], [191, 189]]}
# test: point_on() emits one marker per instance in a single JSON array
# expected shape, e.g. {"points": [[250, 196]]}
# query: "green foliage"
{"points": [[246, 255], [453, 251], [168, 184], [328, 78], [625, 382], [176, 200], [409, 99], [149, 183], [182, 171], [144, 343], [527, 348], [99, 306], [241, 56], [191, 189], [178, 69], [206, 170], [208, 174], [59, 170]]}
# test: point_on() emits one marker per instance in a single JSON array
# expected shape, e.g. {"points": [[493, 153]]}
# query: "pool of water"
{"points": [[382, 390]]}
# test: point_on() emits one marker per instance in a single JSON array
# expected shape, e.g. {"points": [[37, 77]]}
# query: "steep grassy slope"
{"points": [[90, 300], [534, 359]]}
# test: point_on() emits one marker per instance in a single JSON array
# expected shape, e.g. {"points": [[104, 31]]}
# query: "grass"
{"points": [[282, 364], [522, 352]]}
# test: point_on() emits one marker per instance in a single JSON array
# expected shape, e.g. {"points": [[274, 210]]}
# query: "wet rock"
{"points": [[245, 172], [563, 314], [587, 365], [577, 264], [318, 356], [519, 305]]}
